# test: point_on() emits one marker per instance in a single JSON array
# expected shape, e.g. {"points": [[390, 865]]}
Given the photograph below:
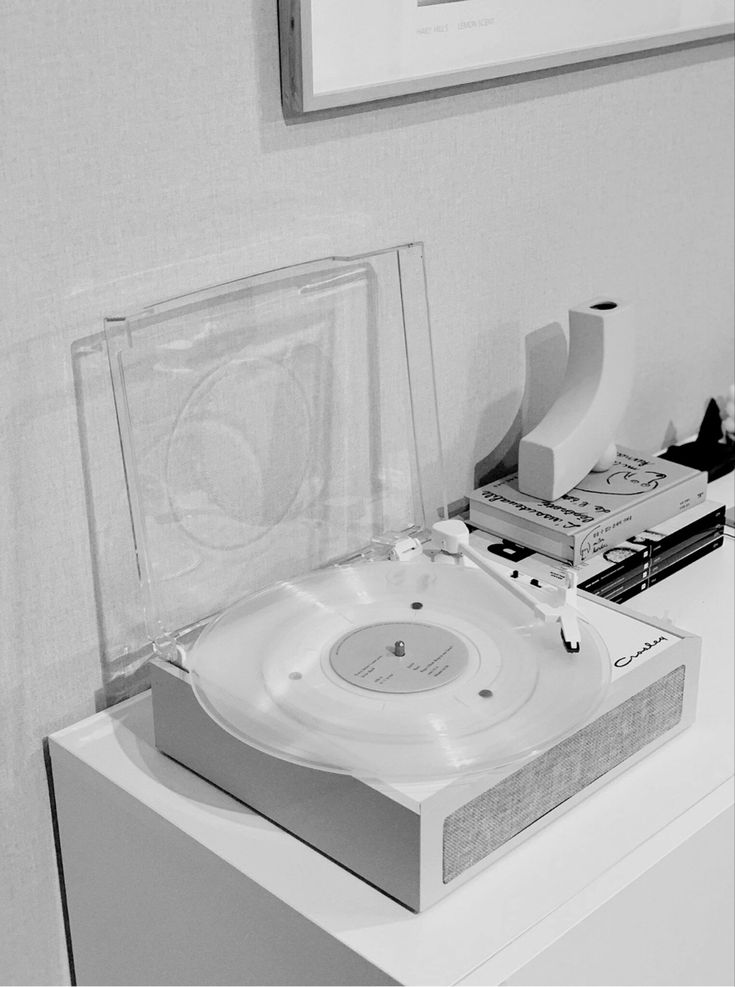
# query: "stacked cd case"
{"points": [[620, 572]]}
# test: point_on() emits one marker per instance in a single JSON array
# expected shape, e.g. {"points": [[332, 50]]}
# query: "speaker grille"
{"points": [[476, 829]]}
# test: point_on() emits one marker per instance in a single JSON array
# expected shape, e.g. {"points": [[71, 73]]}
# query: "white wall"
{"points": [[144, 153]]}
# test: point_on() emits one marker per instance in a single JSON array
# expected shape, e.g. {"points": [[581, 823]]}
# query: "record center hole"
{"points": [[295, 675], [417, 606], [485, 693]]}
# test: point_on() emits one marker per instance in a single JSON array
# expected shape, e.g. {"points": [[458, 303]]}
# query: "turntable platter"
{"points": [[398, 671]]}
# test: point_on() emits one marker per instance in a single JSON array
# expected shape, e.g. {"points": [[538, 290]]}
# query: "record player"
{"points": [[328, 646]]}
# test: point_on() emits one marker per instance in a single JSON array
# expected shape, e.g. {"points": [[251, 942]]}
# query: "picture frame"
{"points": [[341, 53]]}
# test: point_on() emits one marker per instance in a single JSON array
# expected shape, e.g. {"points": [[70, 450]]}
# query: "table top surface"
{"points": [[501, 919]]}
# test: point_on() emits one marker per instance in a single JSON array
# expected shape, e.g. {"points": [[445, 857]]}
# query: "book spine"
{"points": [[637, 517], [618, 579], [622, 580], [627, 590], [549, 542], [661, 542], [693, 555], [672, 550]]}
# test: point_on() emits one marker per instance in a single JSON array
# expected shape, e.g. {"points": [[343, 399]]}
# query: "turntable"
{"points": [[328, 646]]}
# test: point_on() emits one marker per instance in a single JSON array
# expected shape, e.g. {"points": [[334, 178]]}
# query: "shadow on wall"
{"points": [[546, 361]]}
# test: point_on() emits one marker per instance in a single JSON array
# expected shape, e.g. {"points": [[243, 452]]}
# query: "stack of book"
{"points": [[624, 529], [635, 494], [622, 571]]}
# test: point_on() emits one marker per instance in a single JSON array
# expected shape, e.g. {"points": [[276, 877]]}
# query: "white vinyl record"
{"points": [[395, 671]]}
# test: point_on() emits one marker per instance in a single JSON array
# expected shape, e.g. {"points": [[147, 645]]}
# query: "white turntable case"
{"points": [[418, 842], [169, 880], [287, 421]]}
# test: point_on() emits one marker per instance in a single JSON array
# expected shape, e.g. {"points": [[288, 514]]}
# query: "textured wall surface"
{"points": [[144, 154]]}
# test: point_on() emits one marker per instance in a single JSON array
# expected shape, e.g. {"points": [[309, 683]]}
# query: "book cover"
{"points": [[636, 493]]}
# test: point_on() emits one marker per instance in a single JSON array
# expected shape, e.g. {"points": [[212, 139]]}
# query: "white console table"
{"points": [[171, 881]]}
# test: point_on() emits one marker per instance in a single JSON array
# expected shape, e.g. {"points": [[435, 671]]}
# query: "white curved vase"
{"points": [[577, 434]]}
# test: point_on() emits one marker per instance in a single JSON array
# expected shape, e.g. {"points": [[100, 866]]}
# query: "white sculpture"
{"points": [[578, 432]]}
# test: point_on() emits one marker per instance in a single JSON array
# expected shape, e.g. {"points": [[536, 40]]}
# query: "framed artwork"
{"points": [[344, 52]]}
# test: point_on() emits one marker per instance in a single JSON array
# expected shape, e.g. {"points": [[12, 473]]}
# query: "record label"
{"points": [[399, 657]]}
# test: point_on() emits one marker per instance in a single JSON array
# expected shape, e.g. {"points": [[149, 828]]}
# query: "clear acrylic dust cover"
{"points": [[274, 425]]}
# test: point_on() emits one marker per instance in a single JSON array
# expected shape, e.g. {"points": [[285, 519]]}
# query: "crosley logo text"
{"points": [[627, 659]]}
